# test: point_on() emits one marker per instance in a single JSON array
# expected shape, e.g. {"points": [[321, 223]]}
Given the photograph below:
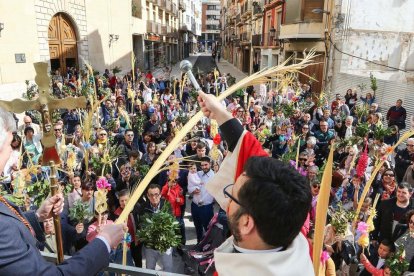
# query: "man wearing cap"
{"points": [[202, 208]]}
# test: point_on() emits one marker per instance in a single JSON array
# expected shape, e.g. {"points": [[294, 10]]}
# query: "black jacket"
{"points": [[384, 220]]}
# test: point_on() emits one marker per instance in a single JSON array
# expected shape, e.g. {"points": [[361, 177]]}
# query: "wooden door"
{"points": [[315, 71], [62, 43]]}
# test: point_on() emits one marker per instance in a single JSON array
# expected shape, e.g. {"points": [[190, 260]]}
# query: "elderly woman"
{"points": [[310, 148]]}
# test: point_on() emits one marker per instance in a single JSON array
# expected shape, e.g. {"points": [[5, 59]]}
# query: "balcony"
{"points": [[257, 10], [271, 41], [246, 9], [161, 4], [174, 10], [239, 22], [245, 37], [301, 22], [168, 6], [136, 9], [257, 40], [150, 26], [182, 5], [302, 30], [164, 29], [158, 28]]}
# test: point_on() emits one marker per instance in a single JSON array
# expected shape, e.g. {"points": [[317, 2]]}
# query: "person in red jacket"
{"points": [[173, 193]]}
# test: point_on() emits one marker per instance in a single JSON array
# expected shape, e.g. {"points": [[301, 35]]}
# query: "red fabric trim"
{"points": [[249, 147], [50, 154]]}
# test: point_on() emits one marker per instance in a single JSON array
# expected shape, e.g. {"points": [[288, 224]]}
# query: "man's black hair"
{"points": [[277, 197], [154, 186], [405, 185], [27, 129], [201, 145], [205, 159], [388, 244]]}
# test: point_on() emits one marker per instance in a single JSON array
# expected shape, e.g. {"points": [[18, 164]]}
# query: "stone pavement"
{"points": [[176, 68], [226, 67]]}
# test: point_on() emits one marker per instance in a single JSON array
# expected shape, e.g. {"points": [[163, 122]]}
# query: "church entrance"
{"points": [[62, 43]]}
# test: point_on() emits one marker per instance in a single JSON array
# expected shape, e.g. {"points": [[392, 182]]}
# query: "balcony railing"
{"points": [[257, 40], [150, 26], [238, 19], [271, 41], [161, 3], [168, 6], [246, 8], [245, 37], [174, 10], [257, 9], [182, 5], [157, 28], [136, 9], [115, 268]]}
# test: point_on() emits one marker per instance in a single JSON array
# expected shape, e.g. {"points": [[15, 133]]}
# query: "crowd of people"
{"points": [[140, 114]]}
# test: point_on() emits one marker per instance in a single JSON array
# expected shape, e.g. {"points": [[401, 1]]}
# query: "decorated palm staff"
{"points": [[46, 104], [276, 72], [377, 168]]}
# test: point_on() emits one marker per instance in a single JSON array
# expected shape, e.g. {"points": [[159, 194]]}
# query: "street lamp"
{"points": [[272, 31], [319, 10]]}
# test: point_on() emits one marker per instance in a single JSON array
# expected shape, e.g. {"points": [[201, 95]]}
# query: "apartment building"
{"points": [[210, 30]]}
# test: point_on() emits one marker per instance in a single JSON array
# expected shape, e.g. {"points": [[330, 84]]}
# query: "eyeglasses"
{"points": [[303, 159], [27, 123], [316, 186], [102, 134], [408, 145], [305, 128], [323, 125], [228, 195], [411, 222], [58, 129], [130, 135], [154, 195], [389, 174]]}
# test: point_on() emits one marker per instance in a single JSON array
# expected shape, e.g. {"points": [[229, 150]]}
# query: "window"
{"points": [[211, 7]]}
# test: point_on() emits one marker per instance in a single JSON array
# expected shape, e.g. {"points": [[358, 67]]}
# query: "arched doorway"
{"points": [[62, 43]]}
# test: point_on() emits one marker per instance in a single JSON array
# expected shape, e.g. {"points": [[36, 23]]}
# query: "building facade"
{"points": [[103, 33], [190, 26], [375, 38], [210, 29]]}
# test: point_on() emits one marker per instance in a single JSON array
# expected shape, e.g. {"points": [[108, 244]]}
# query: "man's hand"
{"points": [[113, 233], [212, 108], [54, 203]]}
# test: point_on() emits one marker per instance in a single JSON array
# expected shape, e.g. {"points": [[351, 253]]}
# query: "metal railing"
{"points": [[150, 26], [116, 268], [271, 41], [168, 6], [182, 5], [257, 40], [175, 9], [158, 28]]}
